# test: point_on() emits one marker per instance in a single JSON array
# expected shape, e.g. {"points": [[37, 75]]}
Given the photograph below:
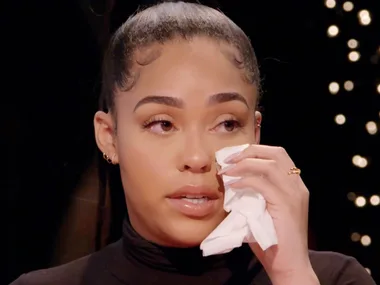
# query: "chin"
{"points": [[191, 232]]}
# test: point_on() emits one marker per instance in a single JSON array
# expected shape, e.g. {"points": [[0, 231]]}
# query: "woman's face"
{"points": [[187, 103]]}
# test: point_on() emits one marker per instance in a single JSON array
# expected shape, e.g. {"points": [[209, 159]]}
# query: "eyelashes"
{"points": [[160, 125], [230, 125]]}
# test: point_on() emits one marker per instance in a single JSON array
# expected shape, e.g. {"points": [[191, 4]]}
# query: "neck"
{"points": [[184, 260]]}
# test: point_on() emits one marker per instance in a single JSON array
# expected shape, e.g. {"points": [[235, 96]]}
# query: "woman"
{"points": [[180, 82]]}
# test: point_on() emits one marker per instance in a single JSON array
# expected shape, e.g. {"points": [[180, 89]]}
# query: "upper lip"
{"points": [[194, 192]]}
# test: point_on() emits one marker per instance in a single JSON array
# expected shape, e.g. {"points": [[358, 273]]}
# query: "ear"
{"points": [[258, 120], [105, 135]]}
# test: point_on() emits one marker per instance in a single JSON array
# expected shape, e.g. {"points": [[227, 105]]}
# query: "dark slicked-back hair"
{"points": [[159, 24]]}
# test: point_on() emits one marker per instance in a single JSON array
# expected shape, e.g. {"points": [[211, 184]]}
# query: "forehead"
{"points": [[190, 69]]}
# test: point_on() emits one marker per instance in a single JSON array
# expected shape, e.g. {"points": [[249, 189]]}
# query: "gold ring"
{"points": [[294, 170]]}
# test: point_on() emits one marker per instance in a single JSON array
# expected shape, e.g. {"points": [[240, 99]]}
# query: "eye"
{"points": [[159, 126], [228, 126]]}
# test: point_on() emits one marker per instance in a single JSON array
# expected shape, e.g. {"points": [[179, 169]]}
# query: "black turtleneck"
{"points": [[134, 260]]}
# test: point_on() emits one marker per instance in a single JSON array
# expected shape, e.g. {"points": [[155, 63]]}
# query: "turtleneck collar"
{"points": [[188, 261]]}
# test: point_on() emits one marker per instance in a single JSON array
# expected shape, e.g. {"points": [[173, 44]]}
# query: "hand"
{"points": [[266, 169]]}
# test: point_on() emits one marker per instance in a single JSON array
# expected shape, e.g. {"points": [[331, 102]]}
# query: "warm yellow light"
{"points": [[340, 119], [332, 31], [365, 240], [359, 161], [371, 127], [355, 237], [348, 6], [354, 56], [352, 43], [330, 4], [348, 85], [351, 196], [360, 201], [375, 200], [334, 87], [364, 17]]}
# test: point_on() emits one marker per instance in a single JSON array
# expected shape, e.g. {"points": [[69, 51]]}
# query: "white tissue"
{"points": [[248, 220]]}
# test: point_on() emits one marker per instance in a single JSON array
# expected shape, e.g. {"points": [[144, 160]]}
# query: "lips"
{"points": [[194, 192], [194, 201]]}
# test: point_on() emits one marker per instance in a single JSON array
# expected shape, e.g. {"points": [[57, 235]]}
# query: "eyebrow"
{"points": [[226, 97], [178, 103]]}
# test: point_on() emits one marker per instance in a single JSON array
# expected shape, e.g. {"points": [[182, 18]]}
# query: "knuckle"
{"points": [[272, 165], [280, 151]]}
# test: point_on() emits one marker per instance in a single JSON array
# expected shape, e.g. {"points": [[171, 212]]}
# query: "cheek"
{"points": [[143, 170]]}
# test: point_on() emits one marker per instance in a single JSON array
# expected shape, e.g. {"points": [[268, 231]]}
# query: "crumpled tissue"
{"points": [[248, 220]]}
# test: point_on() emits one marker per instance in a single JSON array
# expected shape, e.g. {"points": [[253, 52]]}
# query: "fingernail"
{"points": [[232, 157], [225, 169]]}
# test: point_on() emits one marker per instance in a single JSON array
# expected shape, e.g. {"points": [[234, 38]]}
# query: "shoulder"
{"points": [[69, 273], [76, 272], [339, 269]]}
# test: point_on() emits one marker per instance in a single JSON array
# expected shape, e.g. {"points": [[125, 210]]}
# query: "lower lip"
{"points": [[194, 210]]}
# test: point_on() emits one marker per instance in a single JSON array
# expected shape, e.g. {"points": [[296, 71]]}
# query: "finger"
{"points": [[250, 166], [264, 152], [273, 194], [264, 168], [260, 185]]}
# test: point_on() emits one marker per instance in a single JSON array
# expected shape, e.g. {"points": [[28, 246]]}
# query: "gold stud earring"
{"points": [[106, 157]]}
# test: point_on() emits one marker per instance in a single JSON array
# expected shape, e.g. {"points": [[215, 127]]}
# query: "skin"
{"points": [[156, 158]]}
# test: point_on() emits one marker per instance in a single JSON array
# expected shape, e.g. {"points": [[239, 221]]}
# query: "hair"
{"points": [[162, 23]]}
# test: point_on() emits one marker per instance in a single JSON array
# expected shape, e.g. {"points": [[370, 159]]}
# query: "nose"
{"points": [[196, 157]]}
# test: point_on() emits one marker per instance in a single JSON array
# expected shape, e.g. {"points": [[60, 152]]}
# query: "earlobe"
{"points": [[258, 120], [105, 135]]}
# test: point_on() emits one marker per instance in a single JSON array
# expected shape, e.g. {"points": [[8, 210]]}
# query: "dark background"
{"points": [[52, 54]]}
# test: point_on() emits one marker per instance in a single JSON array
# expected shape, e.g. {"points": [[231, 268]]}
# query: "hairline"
{"points": [[138, 64]]}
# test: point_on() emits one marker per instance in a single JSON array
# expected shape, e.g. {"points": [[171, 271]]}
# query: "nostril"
{"points": [[196, 169]]}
